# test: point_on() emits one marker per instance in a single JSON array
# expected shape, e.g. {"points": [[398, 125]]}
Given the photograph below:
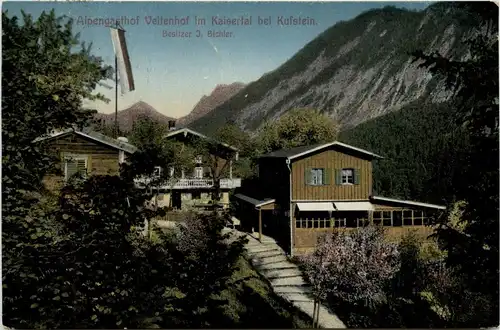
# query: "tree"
{"points": [[424, 152], [233, 135], [147, 131], [474, 84], [409, 281], [209, 261], [44, 81], [98, 273], [100, 126], [298, 127]]}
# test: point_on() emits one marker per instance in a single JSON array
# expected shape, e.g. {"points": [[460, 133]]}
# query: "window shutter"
{"points": [[71, 168], [356, 176], [338, 177], [89, 165], [81, 166], [326, 176], [308, 176]]}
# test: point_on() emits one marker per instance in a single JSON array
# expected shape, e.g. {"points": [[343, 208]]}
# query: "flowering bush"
{"points": [[352, 267]]}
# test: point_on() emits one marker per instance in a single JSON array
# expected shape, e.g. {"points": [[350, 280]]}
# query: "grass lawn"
{"points": [[251, 303]]}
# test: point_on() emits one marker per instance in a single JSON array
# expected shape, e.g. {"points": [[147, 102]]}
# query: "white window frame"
{"points": [[198, 159], [74, 158], [317, 177], [171, 171], [347, 179], [198, 172], [157, 172]]}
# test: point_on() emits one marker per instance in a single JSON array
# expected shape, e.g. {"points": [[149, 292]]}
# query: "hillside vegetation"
{"points": [[424, 150]]}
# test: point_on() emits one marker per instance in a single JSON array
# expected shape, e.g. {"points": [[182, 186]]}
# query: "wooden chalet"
{"points": [[85, 152], [307, 191], [194, 189]]}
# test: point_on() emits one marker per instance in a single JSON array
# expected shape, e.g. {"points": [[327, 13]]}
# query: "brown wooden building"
{"points": [[85, 152], [307, 191], [194, 188]]}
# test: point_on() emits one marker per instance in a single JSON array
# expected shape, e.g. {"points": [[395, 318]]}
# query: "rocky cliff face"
{"points": [[219, 95], [354, 71], [128, 116]]}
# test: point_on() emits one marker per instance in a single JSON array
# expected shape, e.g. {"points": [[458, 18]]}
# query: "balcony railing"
{"points": [[192, 183]]}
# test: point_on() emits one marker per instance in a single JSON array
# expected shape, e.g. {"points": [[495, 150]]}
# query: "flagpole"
{"points": [[116, 93], [116, 97]]}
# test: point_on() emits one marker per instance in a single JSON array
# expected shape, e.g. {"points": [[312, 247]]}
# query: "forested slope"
{"points": [[424, 150]]}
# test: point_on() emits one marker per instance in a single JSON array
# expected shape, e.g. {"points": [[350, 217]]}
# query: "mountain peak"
{"points": [[141, 105], [128, 116], [220, 94]]}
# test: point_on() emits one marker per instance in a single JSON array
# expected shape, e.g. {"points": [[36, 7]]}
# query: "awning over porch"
{"points": [[255, 202], [316, 206], [354, 206], [399, 202]]}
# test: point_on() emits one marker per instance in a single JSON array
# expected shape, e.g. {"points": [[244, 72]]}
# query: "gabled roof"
{"points": [[186, 131], [95, 136], [403, 202], [304, 150]]}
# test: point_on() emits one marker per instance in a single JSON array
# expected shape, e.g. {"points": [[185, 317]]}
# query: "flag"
{"points": [[122, 60]]}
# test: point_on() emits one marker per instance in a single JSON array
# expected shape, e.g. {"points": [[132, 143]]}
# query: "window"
{"points": [[419, 218], [387, 218], [347, 176], [157, 172], [408, 218], [198, 159], [305, 222], [397, 218], [382, 218], [340, 222], [198, 172], [316, 177], [171, 171], [351, 222], [75, 165], [363, 222]]}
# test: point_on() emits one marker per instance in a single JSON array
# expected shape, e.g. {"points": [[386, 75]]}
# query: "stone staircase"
{"points": [[285, 277]]}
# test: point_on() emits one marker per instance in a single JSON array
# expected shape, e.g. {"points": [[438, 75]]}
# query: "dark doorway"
{"points": [[176, 200]]}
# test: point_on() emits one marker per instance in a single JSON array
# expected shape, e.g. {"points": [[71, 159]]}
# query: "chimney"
{"points": [[171, 125], [122, 138]]}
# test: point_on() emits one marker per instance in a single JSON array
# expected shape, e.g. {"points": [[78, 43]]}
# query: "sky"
{"points": [[172, 70]]}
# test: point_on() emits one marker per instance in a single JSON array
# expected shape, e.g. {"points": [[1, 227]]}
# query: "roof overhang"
{"points": [[265, 202], [410, 203], [316, 206], [185, 131], [354, 206], [82, 134], [255, 202], [335, 143]]}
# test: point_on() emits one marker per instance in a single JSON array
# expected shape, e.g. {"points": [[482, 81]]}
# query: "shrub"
{"points": [[353, 267]]}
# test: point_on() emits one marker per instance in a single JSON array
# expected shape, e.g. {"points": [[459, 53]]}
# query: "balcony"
{"points": [[192, 183]]}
